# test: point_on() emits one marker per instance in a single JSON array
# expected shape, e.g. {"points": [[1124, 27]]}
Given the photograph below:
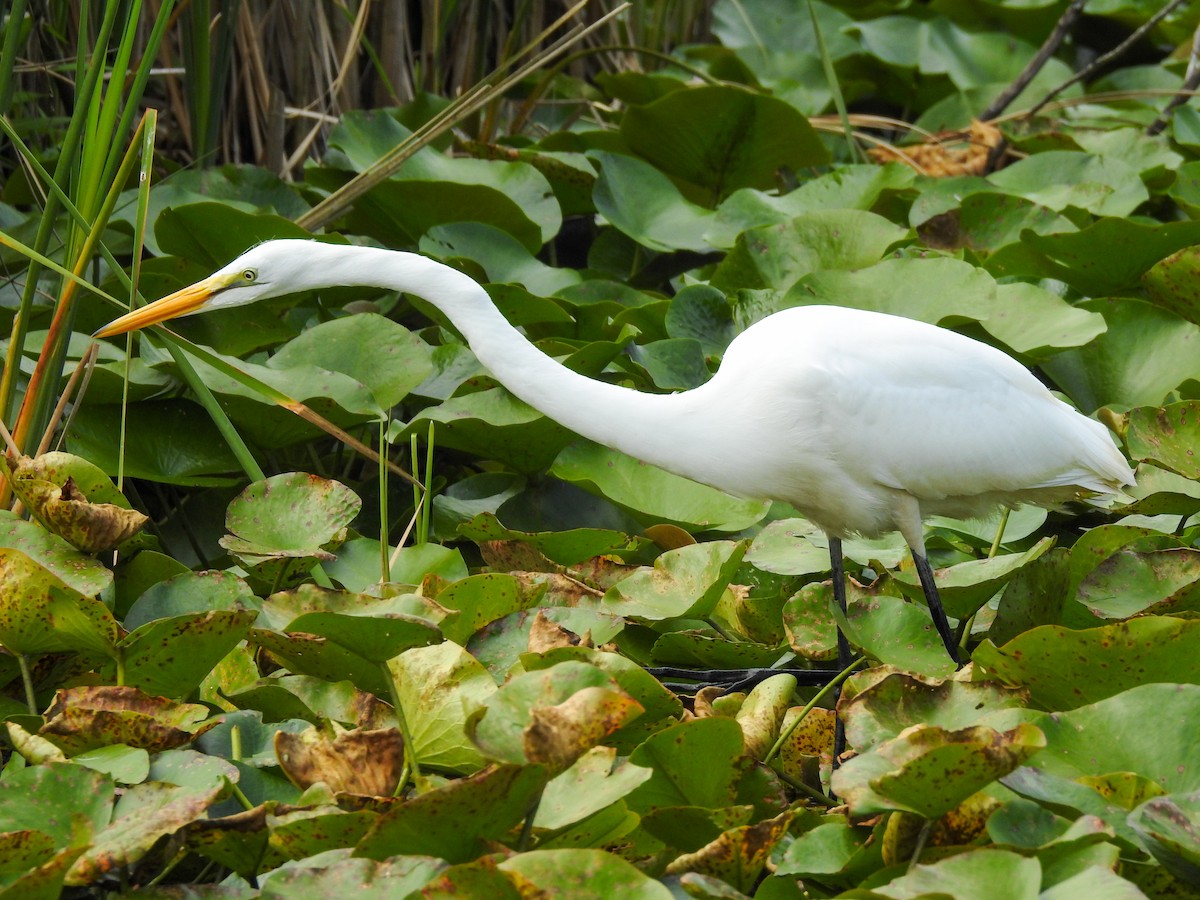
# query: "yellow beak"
{"points": [[181, 303]]}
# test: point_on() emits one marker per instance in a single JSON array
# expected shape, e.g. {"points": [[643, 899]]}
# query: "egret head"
{"points": [[268, 270]]}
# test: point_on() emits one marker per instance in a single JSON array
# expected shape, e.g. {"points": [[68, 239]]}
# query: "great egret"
{"points": [[862, 421]]}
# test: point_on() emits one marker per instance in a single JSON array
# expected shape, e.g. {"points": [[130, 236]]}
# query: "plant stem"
{"points": [[27, 680], [922, 840]]}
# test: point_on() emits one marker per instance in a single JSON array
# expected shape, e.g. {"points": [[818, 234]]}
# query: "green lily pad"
{"points": [[172, 656], [967, 586], [376, 629], [897, 633], [477, 600], [1102, 185], [290, 516], [973, 874], [899, 701], [651, 493], [684, 582], [376, 352], [496, 425], [552, 716], [67, 802], [440, 688], [1103, 661], [1146, 353], [1167, 436], [311, 654], [365, 878], [929, 770], [641, 202], [1130, 582], [1170, 826], [677, 781], [588, 786], [453, 821], [190, 592], [777, 256], [504, 259], [723, 137], [171, 441], [1111, 735], [564, 547], [39, 613], [76, 569]]}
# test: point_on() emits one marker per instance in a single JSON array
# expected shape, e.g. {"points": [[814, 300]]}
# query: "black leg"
{"points": [[838, 572], [925, 572]]}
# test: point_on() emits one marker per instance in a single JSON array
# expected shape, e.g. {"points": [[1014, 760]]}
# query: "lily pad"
{"points": [[289, 516], [1167, 436]]}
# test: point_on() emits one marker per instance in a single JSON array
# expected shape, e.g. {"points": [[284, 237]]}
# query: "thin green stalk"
{"points": [[835, 88], [417, 484], [527, 827], [821, 694], [995, 548], [385, 570], [119, 659], [27, 681], [410, 750], [427, 493]]}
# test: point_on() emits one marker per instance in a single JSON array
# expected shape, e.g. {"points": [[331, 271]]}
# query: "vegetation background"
{"points": [[297, 600]]}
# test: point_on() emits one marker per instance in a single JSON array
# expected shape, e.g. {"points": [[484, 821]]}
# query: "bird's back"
{"points": [[865, 405]]}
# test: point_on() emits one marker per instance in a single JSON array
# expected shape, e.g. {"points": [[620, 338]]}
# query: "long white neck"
{"points": [[635, 423]]}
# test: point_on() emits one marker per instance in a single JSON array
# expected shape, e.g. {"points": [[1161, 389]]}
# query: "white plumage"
{"points": [[864, 422]]}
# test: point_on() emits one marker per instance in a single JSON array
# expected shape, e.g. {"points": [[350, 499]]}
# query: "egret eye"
{"points": [[249, 276]]}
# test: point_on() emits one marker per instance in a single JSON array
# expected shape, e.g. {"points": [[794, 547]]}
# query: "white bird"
{"points": [[864, 422]]}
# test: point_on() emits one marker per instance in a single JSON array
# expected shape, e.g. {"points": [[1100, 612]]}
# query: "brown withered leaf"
{"points": [[237, 842], [350, 762], [738, 856], [948, 154], [702, 703], [559, 735], [66, 511], [84, 718], [547, 635]]}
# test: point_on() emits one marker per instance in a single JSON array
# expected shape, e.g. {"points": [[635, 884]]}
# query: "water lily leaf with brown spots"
{"points": [[293, 516], [352, 762], [976, 873], [300, 833], [74, 499], [809, 623], [145, 813], [84, 718], [1130, 582], [762, 713], [190, 592], [897, 700], [1102, 661], [31, 867], [1168, 437], [304, 697], [172, 656], [1170, 826], [40, 613], [69, 803], [374, 628], [677, 780], [1120, 734], [688, 828], [590, 785], [453, 821], [75, 568], [684, 582], [895, 632], [738, 856], [237, 842], [552, 716], [930, 770], [312, 654], [807, 753], [566, 548]]}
